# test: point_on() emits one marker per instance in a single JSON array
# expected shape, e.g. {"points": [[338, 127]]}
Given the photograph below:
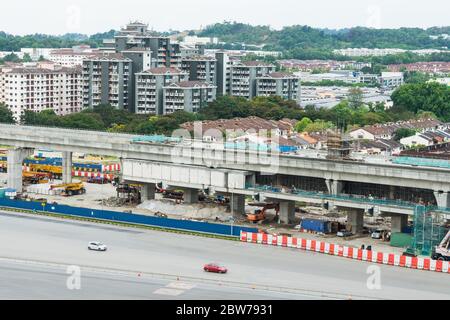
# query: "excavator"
{"points": [[260, 215], [442, 252], [70, 189]]}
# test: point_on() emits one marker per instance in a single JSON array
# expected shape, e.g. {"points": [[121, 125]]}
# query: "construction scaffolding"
{"points": [[338, 148], [429, 230]]}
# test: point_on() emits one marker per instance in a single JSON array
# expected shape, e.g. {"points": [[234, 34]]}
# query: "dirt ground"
{"points": [[96, 193]]}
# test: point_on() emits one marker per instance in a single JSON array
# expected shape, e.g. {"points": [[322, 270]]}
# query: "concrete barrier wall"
{"points": [[347, 252], [194, 226]]}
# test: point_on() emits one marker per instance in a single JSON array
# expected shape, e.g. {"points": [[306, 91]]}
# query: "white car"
{"points": [[96, 246], [344, 234], [378, 234]]}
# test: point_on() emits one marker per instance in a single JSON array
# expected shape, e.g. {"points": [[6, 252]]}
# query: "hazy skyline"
{"points": [[87, 16]]}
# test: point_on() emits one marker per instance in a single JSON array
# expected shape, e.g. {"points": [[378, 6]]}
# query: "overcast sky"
{"points": [[92, 16]]}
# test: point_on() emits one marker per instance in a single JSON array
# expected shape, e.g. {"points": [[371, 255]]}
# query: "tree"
{"points": [[12, 57], [403, 133], [355, 98], [319, 126], [27, 58], [303, 124], [343, 114], [6, 115], [417, 97], [426, 115], [110, 115], [226, 107], [83, 121], [416, 77], [44, 118]]}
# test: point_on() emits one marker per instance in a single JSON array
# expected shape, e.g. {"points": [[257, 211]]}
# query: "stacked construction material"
{"points": [[43, 189]]}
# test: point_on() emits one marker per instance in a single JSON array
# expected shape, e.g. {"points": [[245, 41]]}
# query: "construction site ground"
{"points": [[101, 197]]}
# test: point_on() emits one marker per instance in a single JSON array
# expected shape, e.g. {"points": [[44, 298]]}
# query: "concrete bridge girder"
{"points": [[120, 145]]}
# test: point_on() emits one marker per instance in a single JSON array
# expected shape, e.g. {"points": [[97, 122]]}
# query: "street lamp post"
{"points": [[232, 225], [232, 213]]}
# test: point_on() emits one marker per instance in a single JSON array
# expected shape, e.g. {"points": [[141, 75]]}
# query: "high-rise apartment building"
{"points": [[189, 50], [285, 85], [71, 57], [200, 68], [136, 35], [243, 77], [145, 50], [189, 96], [40, 86], [106, 80], [149, 88]]}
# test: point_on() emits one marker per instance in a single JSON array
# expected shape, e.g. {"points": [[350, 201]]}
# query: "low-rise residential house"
{"points": [[380, 146], [238, 127], [388, 130], [427, 138], [321, 138], [305, 141]]}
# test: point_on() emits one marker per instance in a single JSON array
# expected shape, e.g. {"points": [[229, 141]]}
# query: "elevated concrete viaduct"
{"points": [[195, 166]]}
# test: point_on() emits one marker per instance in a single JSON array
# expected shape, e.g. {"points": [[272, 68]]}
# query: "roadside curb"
{"points": [[118, 224], [347, 252]]}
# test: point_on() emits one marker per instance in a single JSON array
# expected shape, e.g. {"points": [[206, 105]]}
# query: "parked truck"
{"points": [[70, 189]]}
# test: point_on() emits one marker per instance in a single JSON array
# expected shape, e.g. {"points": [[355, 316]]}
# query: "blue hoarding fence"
{"points": [[114, 216]]}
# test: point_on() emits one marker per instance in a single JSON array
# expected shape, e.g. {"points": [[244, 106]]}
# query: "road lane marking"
{"points": [[168, 292], [181, 286]]}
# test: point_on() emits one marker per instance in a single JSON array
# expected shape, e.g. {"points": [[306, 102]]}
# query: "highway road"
{"points": [[143, 264]]}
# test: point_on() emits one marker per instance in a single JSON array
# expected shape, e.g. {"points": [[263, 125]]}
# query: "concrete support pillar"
{"points": [[190, 195], [392, 192], [355, 219], [237, 205], [442, 199], [15, 162], [148, 192], [287, 212], [335, 187], [67, 167], [399, 222]]}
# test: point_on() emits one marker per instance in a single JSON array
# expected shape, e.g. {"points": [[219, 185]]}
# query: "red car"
{"points": [[215, 268]]}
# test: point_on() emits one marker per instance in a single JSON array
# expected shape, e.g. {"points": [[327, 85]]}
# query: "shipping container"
{"points": [[316, 225], [401, 240]]}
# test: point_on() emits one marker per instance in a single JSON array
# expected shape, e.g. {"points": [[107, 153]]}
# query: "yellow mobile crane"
{"points": [[55, 170], [36, 177], [70, 189]]}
